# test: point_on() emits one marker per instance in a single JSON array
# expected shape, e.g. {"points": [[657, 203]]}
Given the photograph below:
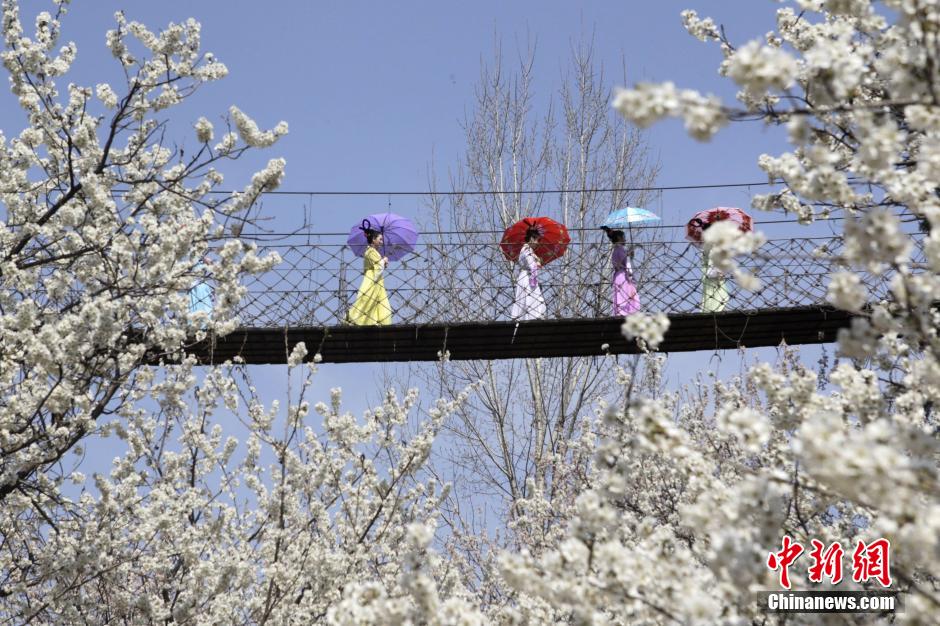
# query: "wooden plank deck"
{"points": [[536, 338]]}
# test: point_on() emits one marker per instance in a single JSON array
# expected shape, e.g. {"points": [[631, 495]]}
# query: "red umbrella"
{"points": [[701, 220], [553, 239]]}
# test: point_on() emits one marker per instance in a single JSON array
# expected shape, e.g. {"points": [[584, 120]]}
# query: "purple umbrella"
{"points": [[399, 235]]}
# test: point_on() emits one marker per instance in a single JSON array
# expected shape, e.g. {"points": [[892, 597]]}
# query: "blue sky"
{"points": [[373, 91]]}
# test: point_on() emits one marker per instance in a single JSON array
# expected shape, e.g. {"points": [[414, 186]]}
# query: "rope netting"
{"points": [[455, 278]]}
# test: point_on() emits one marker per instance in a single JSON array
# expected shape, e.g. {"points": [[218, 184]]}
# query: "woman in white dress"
{"points": [[529, 303]]}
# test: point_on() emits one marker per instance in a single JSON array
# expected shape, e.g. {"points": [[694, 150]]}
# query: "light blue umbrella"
{"points": [[200, 296], [627, 216]]}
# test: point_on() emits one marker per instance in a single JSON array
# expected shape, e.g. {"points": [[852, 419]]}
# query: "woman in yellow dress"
{"points": [[372, 307]]}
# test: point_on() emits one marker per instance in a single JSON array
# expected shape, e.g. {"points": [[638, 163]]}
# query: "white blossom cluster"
{"points": [[648, 329], [846, 292], [251, 134], [758, 68], [703, 115], [723, 242]]}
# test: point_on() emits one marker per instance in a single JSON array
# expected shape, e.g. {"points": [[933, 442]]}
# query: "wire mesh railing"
{"points": [[453, 279]]}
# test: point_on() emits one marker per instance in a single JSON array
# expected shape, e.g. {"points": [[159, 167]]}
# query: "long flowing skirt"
{"points": [[529, 304], [714, 295], [371, 307], [626, 300]]}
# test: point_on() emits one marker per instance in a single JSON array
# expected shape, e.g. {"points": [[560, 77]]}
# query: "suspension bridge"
{"points": [[454, 294]]}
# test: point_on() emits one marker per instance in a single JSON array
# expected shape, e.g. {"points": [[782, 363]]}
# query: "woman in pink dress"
{"points": [[625, 298]]}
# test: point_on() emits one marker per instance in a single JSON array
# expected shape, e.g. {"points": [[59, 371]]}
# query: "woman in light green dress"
{"points": [[714, 291], [715, 294]]}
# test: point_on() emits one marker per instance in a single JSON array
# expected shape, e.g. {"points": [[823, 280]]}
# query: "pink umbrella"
{"points": [[703, 219]]}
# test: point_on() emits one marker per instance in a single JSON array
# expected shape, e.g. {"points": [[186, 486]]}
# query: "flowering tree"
{"points": [[780, 453], [297, 525], [106, 228]]}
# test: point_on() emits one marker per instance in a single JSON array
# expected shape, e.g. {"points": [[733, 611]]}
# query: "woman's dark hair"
{"points": [[533, 233], [615, 236], [371, 234], [701, 223]]}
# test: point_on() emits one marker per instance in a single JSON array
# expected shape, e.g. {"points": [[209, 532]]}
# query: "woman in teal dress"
{"points": [[372, 307], [715, 294]]}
